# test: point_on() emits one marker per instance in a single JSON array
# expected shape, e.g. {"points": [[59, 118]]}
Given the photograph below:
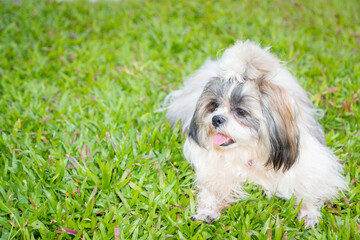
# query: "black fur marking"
{"points": [[237, 95], [237, 100], [194, 129]]}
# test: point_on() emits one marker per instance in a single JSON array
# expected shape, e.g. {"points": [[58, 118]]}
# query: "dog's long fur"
{"points": [[278, 143]]}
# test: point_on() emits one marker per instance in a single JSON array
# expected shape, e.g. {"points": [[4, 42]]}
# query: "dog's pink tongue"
{"points": [[220, 139]]}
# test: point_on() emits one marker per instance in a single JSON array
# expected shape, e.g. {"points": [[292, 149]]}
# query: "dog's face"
{"points": [[247, 114]]}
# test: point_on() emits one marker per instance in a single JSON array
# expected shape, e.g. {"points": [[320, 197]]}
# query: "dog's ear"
{"points": [[281, 120], [196, 129]]}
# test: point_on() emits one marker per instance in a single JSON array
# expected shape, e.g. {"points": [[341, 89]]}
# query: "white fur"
{"points": [[314, 178]]}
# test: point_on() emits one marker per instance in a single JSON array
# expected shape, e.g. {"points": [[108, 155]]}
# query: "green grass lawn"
{"points": [[83, 148]]}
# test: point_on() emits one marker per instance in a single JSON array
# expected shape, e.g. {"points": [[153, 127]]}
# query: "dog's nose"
{"points": [[218, 120]]}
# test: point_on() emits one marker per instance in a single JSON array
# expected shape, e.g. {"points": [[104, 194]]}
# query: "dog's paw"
{"points": [[205, 219], [205, 216], [311, 218], [311, 221]]}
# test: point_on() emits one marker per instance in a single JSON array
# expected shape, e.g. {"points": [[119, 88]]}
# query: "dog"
{"points": [[248, 119]]}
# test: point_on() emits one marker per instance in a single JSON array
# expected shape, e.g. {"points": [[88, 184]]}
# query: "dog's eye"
{"points": [[213, 105], [241, 112]]}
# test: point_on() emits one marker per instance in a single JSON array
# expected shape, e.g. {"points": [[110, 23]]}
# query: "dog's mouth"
{"points": [[222, 140]]}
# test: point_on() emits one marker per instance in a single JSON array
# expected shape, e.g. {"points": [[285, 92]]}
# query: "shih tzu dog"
{"points": [[247, 119]]}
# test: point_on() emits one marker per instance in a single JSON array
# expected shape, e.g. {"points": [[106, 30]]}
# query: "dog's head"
{"points": [[242, 108]]}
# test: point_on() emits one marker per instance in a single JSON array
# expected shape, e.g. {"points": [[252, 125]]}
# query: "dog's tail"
{"points": [[181, 104]]}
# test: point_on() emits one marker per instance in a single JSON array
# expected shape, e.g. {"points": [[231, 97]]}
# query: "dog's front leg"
{"points": [[214, 196], [310, 213], [209, 206]]}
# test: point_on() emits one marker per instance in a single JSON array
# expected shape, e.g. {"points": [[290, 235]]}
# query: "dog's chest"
{"points": [[257, 173]]}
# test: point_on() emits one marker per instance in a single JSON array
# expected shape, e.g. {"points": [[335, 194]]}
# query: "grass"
{"points": [[82, 148]]}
